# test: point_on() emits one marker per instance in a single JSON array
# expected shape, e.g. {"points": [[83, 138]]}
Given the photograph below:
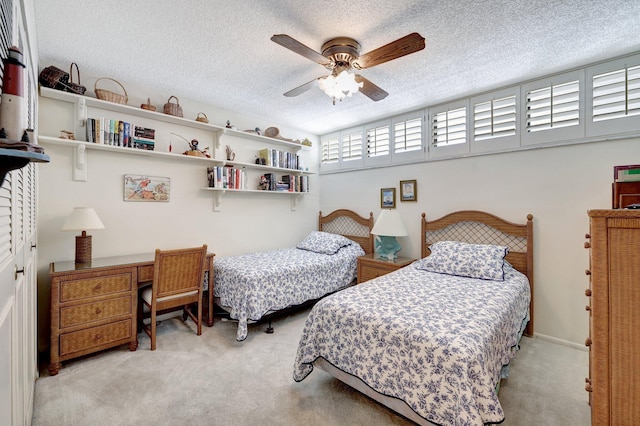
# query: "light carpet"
{"points": [[213, 380]]}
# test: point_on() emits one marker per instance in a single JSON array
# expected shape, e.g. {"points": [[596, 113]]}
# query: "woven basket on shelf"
{"points": [[173, 109], [203, 119], [148, 105], [106, 95]]}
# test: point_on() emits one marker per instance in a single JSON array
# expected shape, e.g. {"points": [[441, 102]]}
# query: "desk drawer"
{"points": [[94, 337], [90, 312], [91, 287], [145, 273]]}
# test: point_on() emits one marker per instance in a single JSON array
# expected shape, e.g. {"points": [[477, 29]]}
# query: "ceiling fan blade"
{"points": [[370, 90], [301, 89], [299, 48], [403, 46]]}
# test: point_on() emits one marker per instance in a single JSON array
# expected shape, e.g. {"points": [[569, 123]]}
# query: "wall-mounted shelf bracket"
{"points": [[80, 163]]}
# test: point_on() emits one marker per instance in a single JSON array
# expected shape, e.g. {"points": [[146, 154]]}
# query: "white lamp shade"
{"points": [[389, 223], [81, 219]]}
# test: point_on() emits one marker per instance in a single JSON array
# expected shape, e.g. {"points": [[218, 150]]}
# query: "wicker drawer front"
{"points": [[90, 287], [370, 272], [97, 311], [96, 336], [145, 273]]}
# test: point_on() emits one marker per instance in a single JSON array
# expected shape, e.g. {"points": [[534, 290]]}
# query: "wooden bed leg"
{"points": [[269, 329]]}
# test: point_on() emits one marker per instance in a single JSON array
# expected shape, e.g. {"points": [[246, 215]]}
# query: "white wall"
{"points": [[556, 185], [247, 222]]}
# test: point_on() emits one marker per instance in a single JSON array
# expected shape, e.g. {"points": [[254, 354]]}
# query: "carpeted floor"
{"points": [[214, 380]]}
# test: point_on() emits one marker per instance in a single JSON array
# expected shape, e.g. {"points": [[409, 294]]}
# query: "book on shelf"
{"points": [[628, 173], [277, 158], [145, 144], [226, 177]]}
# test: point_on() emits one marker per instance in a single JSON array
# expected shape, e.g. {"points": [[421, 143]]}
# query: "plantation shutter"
{"points": [[407, 135], [616, 94], [378, 141], [449, 127], [6, 228], [330, 150], [352, 146], [554, 106], [494, 119]]}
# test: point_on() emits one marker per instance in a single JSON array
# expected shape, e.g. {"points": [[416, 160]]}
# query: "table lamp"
{"points": [[388, 226], [81, 219]]}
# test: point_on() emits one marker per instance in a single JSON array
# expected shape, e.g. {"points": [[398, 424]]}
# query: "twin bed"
{"points": [[432, 340], [253, 285]]}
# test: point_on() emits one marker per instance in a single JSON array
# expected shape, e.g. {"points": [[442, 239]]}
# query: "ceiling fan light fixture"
{"points": [[339, 86]]}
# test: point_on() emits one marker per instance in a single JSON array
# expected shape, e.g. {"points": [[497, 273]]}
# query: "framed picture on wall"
{"points": [[146, 188], [388, 198], [408, 190]]}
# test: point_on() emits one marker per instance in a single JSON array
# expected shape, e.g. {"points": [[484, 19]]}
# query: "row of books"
{"points": [[275, 158], [629, 173], [119, 133], [226, 177], [288, 183]]}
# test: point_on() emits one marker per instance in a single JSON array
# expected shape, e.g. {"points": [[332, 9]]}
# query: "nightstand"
{"points": [[370, 267]]}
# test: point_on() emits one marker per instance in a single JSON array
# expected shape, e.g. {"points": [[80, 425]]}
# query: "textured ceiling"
{"points": [[220, 53]]}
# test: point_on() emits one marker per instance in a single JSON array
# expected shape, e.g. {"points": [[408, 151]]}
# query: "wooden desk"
{"points": [[94, 304]]}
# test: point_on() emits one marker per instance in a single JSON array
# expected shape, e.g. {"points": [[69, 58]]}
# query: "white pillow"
{"points": [[323, 242], [466, 260]]}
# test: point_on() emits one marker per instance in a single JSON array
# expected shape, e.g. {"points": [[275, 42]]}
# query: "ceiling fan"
{"points": [[341, 55]]}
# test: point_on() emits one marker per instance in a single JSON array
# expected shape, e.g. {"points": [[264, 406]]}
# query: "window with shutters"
{"points": [[614, 101], [330, 152], [552, 109], [449, 130], [378, 141], [407, 137], [449, 127], [378, 145], [495, 121], [351, 147]]}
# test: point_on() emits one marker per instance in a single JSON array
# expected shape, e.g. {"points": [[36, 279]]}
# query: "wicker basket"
{"points": [[148, 105], [173, 109], [203, 119], [106, 95]]}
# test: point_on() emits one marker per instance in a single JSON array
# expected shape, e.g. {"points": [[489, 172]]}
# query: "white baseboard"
{"points": [[573, 345]]}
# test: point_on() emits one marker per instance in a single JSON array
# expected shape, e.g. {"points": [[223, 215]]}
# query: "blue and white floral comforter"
{"points": [[254, 284], [435, 341]]}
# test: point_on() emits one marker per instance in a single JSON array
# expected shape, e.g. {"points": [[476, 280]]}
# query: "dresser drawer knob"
{"points": [[97, 287], [587, 272], [587, 245], [587, 236], [588, 388], [588, 342], [587, 380], [587, 292], [98, 337], [587, 308], [98, 311]]}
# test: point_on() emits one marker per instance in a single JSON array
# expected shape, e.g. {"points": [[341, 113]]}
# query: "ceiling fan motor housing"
{"points": [[341, 51]]}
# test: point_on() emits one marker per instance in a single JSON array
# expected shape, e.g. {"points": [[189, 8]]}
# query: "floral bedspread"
{"points": [[435, 341], [254, 284]]}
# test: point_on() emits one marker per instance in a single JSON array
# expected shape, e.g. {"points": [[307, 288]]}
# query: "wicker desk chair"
{"points": [[178, 276]]}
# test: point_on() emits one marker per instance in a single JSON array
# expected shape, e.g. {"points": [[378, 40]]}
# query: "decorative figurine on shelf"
{"points": [[12, 104], [193, 147], [230, 154], [263, 184], [230, 126]]}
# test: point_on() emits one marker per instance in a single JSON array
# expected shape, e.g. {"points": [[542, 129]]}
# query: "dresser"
{"points": [[614, 316], [370, 267]]}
